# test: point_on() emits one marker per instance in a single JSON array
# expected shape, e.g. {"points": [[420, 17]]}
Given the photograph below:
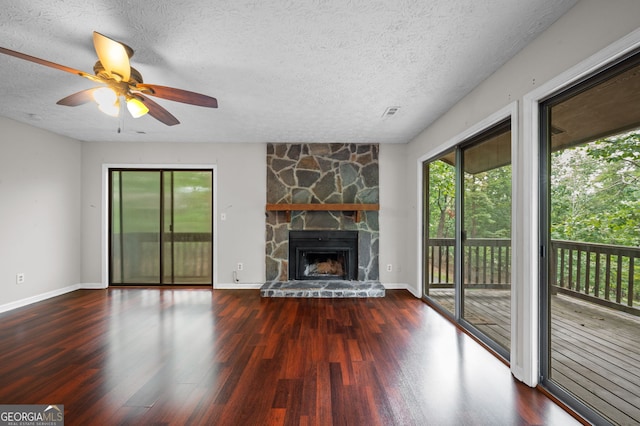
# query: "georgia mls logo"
{"points": [[55, 409], [31, 415]]}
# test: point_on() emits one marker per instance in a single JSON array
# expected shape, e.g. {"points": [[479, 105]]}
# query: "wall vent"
{"points": [[391, 111]]}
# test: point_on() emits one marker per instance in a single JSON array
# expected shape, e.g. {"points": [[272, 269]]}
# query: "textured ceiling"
{"points": [[282, 71]]}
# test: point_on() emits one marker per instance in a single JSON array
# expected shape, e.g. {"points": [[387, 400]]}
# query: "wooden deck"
{"points": [[595, 350]]}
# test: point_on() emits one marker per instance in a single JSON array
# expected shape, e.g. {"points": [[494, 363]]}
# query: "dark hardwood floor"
{"points": [[229, 357]]}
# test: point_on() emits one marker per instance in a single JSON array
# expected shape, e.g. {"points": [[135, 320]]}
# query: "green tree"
{"points": [[595, 192], [488, 203], [441, 206]]}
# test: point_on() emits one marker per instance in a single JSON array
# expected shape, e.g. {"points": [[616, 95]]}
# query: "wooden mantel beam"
{"points": [[348, 207]]}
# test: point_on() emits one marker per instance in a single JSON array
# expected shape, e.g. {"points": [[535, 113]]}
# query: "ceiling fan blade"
{"points": [[113, 56], [44, 62], [158, 112], [77, 98], [178, 95]]}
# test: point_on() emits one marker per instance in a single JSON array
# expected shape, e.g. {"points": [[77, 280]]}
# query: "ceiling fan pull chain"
{"points": [[121, 119]]}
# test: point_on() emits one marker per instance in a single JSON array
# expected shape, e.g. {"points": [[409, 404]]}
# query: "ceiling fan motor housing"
{"points": [[135, 78]]}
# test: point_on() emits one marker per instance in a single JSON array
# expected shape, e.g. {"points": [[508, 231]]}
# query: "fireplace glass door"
{"points": [[323, 255], [323, 264]]}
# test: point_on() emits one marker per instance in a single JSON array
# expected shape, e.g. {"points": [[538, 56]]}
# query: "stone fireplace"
{"points": [[322, 174]]}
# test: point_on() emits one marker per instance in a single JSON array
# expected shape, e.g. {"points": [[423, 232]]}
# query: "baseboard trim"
{"points": [[400, 286], [396, 286], [93, 286], [238, 286], [38, 298]]}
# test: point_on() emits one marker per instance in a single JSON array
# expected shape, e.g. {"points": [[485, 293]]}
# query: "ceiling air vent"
{"points": [[390, 111]]}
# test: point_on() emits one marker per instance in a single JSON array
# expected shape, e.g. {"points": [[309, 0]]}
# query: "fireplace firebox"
{"points": [[323, 255]]}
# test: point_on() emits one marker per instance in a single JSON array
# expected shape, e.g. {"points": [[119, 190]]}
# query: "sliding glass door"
{"points": [[486, 235], [160, 226], [467, 234], [591, 232]]}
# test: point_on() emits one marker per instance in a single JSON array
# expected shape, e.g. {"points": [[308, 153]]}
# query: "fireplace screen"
{"points": [[323, 255]]}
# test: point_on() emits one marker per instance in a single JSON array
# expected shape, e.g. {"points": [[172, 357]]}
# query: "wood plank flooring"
{"points": [[595, 351], [230, 357]]}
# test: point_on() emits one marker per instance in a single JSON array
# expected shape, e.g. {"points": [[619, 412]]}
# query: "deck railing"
{"points": [[189, 252], [604, 274], [486, 262], [608, 275]]}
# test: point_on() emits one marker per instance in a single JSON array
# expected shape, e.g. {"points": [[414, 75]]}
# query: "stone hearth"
{"points": [[322, 289]]}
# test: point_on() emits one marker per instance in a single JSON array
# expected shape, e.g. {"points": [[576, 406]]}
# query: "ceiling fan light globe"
{"points": [[105, 96], [136, 107], [110, 109]]}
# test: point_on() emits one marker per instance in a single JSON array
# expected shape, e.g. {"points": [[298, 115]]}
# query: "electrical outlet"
{"points": [[20, 278], [389, 267], [240, 266]]}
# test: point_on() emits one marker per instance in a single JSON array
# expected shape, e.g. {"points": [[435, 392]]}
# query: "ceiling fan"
{"points": [[118, 80]]}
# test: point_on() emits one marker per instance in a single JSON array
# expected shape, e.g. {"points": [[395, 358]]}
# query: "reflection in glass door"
{"points": [[161, 226], [486, 235]]}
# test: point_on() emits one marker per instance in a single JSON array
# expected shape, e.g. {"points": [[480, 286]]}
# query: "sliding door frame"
{"points": [[545, 105], [529, 244], [105, 209], [510, 112]]}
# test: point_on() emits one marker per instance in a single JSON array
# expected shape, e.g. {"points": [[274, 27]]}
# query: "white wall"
{"points": [[39, 213], [393, 216], [585, 30]]}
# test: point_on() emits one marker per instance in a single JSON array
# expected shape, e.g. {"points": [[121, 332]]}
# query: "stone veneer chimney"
{"points": [[322, 173]]}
